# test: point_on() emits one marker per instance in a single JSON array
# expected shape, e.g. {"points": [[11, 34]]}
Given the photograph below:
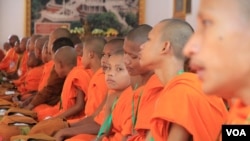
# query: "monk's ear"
{"points": [[166, 46]]}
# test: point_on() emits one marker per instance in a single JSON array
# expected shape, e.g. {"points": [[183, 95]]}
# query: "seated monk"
{"points": [[182, 111], [50, 92], [74, 89], [79, 49], [10, 59], [32, 78], [77, 127]]}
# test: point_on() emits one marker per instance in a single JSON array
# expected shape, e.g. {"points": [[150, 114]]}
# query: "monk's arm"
{"points": [[50, 94], [90, 127], [178, 133], [85, 120], [77, 108]]}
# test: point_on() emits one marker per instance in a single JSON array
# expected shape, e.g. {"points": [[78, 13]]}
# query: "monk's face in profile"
{"points": [[17, 47], [131, 58], [150, 54], [32, 45], [220, 47], [23, 45], [32, 60], [78, 48], [86, 56], [45, 54], [116, 75]]}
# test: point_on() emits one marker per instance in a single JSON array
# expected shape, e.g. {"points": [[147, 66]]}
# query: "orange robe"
{"points": [[9, 61], [79, 61], [77, 78], [31, 80], [23, 64], [183, 102], [97, 92], [43, 82], [239, 114], [2, 55], [46, 73], [150, 94], [122, 115]]}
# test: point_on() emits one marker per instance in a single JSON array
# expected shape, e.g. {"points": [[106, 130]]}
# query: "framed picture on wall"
{"points": [[179, 9], [101, 17]]}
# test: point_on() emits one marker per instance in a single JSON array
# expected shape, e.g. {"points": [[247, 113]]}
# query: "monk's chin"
{"points": [[217, 92]]}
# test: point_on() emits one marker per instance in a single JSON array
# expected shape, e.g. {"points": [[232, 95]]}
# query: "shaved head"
{"points": [[66, 55], [13, 39], [40, 42], [56, 34], [178, 33], [139, 34], [95, 44], [33, 41], [116, 44]]}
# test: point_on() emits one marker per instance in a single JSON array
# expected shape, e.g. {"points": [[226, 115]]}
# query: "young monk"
{"points": [[82, 127], [31, 78], [75, 86], [23, 68], [32, 43], [39, 43], [218, 54], [6, 46], [91, 59], [199, 117], [79, 49], [23, 64], [9, 62], [50, 92], [56, 45], [118, 80]]}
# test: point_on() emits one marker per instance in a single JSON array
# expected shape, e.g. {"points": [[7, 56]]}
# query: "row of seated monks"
{"points": [[132, 88]]}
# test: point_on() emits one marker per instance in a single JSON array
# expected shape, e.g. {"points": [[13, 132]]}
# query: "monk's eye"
{"points": [[119, 69]]}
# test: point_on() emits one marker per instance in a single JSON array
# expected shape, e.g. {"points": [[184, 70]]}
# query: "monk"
{"points": [[10, 60], [6, 46], [50, 93], [218, 73], [163, 53], [79, 47], [74, 89], [39, 43], [82, 127], [21, 66], [118, 80], [32, 43], [146, 87], [91, 59], [32, 77]]}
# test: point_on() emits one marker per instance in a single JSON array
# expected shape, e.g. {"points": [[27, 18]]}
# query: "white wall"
{"points": [[157, 10], [191, 18], [11, 19], [12, 15]]}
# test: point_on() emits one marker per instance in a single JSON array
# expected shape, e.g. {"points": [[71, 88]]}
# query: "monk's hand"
{"points": [[59, 136], [29, 107]]}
